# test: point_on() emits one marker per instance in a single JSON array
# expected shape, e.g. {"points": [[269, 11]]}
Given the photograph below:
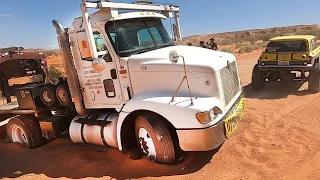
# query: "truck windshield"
{"points": [[134, 36], [287, 46]]}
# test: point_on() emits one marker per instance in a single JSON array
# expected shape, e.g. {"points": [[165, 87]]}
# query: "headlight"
{"points": [[208, 116]]}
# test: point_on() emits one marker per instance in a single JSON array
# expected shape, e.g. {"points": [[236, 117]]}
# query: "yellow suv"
{"points": [[285, 57]]}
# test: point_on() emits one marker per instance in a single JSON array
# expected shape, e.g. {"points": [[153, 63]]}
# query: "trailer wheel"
{"points": [[26, 131], [63, 95], [154, 139], [48, 95], [258, 78]]}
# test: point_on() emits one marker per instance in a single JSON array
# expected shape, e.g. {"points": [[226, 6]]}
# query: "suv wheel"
{"points": [[258, 78], [314, 79]]}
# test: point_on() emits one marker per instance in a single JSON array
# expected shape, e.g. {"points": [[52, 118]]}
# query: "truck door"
{"points": [[100, 89]]}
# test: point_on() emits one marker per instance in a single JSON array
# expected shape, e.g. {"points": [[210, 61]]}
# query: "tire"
{"points": [[148, 129], [63, 95], [26, 131], [258, 78], [48, 95], [314, 81]]}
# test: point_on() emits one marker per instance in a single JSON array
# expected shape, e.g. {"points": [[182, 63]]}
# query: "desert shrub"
{"points": [[54, 73], [226, 42], [310, 32], [262, 44], [266, 37], [55, 52], [239, 45], [245, 49], [228, 50]]}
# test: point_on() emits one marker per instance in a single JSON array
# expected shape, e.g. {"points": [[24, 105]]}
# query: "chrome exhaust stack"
{"points": [[72, 78]]}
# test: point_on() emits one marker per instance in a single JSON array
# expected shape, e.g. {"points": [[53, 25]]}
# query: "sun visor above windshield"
{"points": [[132, 15]]}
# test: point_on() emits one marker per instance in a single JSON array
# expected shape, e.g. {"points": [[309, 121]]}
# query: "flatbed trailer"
{"points": [[13, 108]]}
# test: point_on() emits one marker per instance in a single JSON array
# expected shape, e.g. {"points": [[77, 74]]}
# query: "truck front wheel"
{"points": [[26, 131], [154, 139], [258, 78]]}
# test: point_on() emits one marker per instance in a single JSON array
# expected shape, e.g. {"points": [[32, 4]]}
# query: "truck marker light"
{"points": [[84, 44], [123, 71]]}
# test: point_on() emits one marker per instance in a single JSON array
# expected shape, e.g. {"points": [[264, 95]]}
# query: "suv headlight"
{"points": [[208, 116]]}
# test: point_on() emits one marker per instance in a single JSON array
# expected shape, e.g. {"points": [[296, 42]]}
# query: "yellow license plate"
{"points": [[232, 121], [231, 125]]}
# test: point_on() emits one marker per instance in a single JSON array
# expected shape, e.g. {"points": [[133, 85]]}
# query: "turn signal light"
{"points": [[208, 116], [304, 56]]}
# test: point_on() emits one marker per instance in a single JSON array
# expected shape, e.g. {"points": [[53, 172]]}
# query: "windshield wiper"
{"points": [[167, 45], [143, 51]]}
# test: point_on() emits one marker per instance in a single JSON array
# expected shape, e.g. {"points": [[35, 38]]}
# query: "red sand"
{"points": [[277, 139]]}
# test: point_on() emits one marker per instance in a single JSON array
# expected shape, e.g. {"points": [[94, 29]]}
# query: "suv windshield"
{"points": [[135, 36], [287, 46]]}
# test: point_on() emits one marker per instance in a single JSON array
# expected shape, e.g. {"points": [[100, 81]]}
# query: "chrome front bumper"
{"points": [[288, 67], [212, 137]]}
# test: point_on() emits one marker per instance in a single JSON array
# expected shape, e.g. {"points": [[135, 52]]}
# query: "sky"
{"points": [[27, 23]]}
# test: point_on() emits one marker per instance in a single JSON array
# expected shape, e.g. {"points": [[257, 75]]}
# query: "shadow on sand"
{"points": [[277, 90], [62, 158]]}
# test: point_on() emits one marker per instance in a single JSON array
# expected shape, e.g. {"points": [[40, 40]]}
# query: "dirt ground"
{"points": [[278, 138]]}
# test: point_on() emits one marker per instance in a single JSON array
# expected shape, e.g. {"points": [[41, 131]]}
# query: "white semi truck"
{"points": [[128, 86]]}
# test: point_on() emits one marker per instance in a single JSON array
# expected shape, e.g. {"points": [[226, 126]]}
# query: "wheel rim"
{"points": [[146, 144], [62, 96], [18, 135], [47, 96]]}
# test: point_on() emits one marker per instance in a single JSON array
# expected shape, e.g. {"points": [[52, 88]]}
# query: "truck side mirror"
{"points": [[99, 64], [174, 57]]}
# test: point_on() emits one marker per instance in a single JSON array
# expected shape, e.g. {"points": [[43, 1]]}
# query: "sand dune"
{"points": [[277, 139]]}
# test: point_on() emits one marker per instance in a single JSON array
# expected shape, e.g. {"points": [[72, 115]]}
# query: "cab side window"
{"points": [[313, 44], [100, 44]]}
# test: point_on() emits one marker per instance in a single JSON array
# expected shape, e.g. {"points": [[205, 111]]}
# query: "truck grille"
{"points": [[230, 82]]}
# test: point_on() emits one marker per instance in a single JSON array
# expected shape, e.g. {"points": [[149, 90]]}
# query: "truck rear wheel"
{"points": [[154, 139], [48, 95], [63, 95], [258, 78], [26, 131]]}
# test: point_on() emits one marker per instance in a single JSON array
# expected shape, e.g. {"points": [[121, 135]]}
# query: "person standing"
{"points": [[202, 44], [213, 44]]}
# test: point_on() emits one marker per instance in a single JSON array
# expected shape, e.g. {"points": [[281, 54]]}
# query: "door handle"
{"points": [[113, 73]]}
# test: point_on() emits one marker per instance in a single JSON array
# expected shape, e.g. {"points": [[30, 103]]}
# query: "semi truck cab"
{"points": [[133, 88]]}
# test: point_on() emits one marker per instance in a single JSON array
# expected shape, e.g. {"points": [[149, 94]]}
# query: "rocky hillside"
{"points": [[255, 34]]}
